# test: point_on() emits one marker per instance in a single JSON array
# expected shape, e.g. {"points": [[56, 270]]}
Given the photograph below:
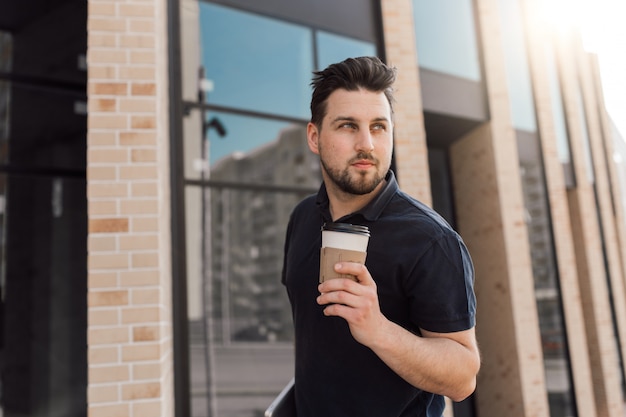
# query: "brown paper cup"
{"points": [[330, 256]]}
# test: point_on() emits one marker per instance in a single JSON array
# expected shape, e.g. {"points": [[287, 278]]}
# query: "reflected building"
{"points": [[247, 234]]}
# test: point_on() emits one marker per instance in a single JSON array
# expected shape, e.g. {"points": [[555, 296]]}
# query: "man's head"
{"points": [[351, 127], [367, 73]]}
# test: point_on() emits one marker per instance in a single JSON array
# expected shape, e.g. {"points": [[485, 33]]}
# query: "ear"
{"points": [[312, 138]]}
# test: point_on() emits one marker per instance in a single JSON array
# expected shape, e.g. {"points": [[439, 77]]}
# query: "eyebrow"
{"points": [[352, 119]]}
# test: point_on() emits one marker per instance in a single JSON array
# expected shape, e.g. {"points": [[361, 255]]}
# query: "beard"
{"points": [[359, 183]]}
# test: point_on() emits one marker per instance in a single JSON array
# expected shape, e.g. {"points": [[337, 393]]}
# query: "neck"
{"points": [[342, 203]]}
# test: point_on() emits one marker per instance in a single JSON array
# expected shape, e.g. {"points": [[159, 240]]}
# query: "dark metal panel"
{"points": [[182, 392], [347, 17], [443, 130], [455, 96], [15, 14]]}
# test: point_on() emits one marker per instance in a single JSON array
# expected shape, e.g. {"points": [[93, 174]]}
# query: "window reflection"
{"points": [[247, 230], [246, 165], [6, 54], [582, 114], [446, 42], [243, 136], [256, 63], [5, 102], [619, 157], [43, 348], [240, 321], [249, 303], [334, 48], [516, 62], [57, 140], [239, 315], [547, 290], [3, 228], [558, 114]]}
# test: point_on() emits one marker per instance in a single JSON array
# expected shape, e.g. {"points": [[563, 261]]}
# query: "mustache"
{"points": [[364, 156]]}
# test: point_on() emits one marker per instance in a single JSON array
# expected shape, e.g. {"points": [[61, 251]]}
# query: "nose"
{"points": [[364, 141]]}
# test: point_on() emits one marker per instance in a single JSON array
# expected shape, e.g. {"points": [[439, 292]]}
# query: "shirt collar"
{"points": [[373, 209]]}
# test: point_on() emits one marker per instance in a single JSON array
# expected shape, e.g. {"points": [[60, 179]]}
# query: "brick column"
{"points": [[411, 152], [129, 289], [490, 217]]}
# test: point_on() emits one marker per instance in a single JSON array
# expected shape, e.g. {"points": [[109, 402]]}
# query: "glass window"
{"points": [[334, 48], [43, 337], [582, 114], [619, 158], [57, 140], [240, 325], [43, 210], [446, 37], [558, 114], [255, 63], [517, 72], [238, 148], [239, 317], [6, 53], [545, 274], [246, 165], [3, 239], [235, 137], [558, 111], [5, 101]]}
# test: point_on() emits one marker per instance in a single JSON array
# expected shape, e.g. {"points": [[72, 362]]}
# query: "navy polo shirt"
{"points": [[424, 277]]}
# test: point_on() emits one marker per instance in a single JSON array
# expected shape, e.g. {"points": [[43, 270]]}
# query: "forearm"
{"points": [[435, 364]]}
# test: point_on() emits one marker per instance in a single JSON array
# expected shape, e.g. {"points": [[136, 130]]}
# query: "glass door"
{"points": [[43, 209]]}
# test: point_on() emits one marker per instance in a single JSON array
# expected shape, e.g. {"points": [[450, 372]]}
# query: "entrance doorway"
{"points": [[442, 131], [43, 208]]}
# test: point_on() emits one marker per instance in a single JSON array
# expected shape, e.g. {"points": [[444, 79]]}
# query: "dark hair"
{"points": [[368, 73]]}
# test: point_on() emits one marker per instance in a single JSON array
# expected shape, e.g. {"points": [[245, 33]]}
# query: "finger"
{"points": [[358, 270], [338, 297], [337, 284], [339, 310]]}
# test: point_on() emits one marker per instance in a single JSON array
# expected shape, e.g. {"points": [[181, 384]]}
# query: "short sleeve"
{"points": [[441, 287]]}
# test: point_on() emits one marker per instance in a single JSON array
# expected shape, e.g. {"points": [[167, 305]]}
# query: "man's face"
{"points": [[355, 141]]}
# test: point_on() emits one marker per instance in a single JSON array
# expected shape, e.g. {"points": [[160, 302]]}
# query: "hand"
{"points": [[356, 302]]}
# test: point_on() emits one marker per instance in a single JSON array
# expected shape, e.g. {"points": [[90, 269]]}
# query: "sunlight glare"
{"points": [[562, 15], [604, 34], [594, 22]]}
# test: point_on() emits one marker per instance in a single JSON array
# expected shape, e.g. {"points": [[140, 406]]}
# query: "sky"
{"points": [[603, 25]]}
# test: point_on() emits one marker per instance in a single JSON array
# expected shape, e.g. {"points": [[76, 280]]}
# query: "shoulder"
{"points": [[416, 217], [304, 207], [302, 214]]}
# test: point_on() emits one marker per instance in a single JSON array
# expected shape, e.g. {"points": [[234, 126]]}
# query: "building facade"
{"points": [[152, 150]]}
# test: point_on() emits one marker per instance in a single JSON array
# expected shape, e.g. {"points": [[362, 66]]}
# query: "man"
{"points": [[401, 337]]}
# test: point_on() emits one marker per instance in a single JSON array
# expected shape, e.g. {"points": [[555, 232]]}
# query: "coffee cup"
{"points": [[342, 242]]}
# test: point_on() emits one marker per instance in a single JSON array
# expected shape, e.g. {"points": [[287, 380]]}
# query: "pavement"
{"points": [[244, 381]]}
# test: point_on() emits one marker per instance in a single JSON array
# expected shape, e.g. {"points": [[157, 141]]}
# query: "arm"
{"points": [[441, 363]]}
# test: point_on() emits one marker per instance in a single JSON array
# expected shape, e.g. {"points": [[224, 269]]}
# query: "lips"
{"points": [[363, 164], [363, 161]]}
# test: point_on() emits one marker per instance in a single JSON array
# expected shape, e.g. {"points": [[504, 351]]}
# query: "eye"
{"points": [[347, 125], [379, 126]]}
